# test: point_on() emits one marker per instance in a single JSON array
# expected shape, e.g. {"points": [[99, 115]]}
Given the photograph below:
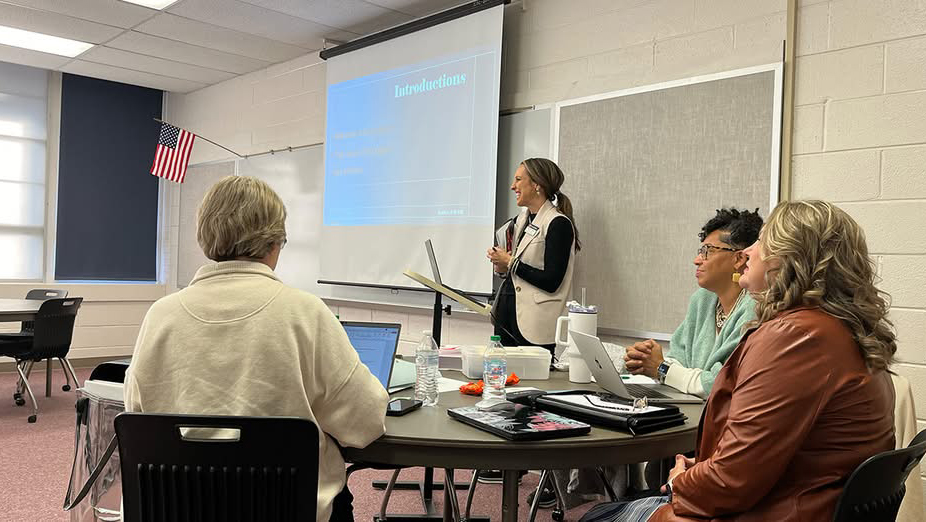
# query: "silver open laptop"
{"points": [[599, 362]]}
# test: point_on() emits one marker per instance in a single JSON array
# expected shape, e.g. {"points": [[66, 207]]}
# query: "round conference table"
{"points": [[429, 437]]}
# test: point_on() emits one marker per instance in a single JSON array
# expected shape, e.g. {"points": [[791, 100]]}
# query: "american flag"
{"points": [[173, 154]]}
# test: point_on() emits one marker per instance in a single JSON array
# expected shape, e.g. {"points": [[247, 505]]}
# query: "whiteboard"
{"points": [[646, 168], [197, 181]]}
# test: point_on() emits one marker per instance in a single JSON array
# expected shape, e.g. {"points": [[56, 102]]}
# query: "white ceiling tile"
{"points": [[154, 65], [219, 38], [252, 19], [186, 53], [55, 24], [32, 58], [355, 16], [109, 12], [418, 8], [118, 74]]}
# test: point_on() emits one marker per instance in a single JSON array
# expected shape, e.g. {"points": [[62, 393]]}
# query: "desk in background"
{"points": [[14, 310], [429, 437]]}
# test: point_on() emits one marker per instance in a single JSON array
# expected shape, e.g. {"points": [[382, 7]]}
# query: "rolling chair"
{"points": [[41, 294], [49, 339], [875, 489], [247, 469]]}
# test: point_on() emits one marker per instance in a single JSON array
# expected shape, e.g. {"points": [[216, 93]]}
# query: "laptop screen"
{"points": [[433, 260], [376, 344]]}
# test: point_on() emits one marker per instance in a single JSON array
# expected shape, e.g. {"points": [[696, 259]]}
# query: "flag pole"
{"points": [[206, 139]]}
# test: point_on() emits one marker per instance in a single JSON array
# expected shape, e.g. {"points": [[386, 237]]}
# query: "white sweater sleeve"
{"points": [[687, 380], [352, 404]]}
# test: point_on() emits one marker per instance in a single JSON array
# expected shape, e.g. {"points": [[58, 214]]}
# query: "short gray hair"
{"points": [[240, 216]]}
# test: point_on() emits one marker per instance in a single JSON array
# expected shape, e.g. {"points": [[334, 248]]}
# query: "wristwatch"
{"points": [[662, 370]]}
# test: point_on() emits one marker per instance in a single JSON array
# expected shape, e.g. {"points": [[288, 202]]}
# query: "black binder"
{"points": [[604, 409]]}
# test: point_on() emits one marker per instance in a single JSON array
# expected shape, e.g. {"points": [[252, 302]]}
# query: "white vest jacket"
{"points": [[537, 310]]}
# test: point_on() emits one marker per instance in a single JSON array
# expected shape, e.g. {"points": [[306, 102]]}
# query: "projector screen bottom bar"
{"points": [[392, 287]]}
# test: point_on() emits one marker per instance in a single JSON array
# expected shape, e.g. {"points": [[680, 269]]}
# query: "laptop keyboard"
{"points": [[639, 390]]}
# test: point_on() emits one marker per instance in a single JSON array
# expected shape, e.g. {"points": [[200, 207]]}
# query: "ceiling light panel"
{"points": [[55, 24], [22, 56], [44, 43], [109, 12], [153, 4]]}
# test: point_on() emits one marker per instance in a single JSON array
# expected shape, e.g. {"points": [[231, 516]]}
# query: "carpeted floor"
{"points": [[35, 462]]}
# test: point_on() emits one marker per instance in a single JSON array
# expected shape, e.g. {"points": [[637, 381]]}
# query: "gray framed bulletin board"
{"points": [[646, 168]]}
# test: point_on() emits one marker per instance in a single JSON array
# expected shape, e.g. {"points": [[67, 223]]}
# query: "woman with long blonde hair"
{"points": [[805, 398]]}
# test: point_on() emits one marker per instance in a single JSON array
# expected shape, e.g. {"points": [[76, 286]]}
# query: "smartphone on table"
{"points": [[399, 407]]}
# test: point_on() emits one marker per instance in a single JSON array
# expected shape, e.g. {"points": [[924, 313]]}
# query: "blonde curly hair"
{"points": [[823, 261], [240, 217]]}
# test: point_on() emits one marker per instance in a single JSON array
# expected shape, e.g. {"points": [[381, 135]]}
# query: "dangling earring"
{"points": [[736, 277]]}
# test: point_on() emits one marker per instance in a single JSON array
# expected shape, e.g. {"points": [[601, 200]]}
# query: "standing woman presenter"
{"points": [[538, 261]]}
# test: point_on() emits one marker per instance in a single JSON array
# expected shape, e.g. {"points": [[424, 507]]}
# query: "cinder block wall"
{"points": [[861, 96], [860, 120]]}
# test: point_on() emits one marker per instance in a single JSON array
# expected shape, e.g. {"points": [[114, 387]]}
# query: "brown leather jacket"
{"points": [[792, 413]]}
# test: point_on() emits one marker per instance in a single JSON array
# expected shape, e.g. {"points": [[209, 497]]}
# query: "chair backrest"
{"points": [[40, 294], [54, 327], [46, 293], [875, 489], [171, 471]]}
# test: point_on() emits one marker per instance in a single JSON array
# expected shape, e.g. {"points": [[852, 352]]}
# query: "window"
{"points": [[23, 134], [107, 221]]}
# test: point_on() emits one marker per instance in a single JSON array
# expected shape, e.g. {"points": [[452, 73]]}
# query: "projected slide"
{"points": [[406, 145]]}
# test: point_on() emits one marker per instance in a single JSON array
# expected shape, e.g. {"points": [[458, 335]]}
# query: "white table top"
{"points": [[19, 309]]}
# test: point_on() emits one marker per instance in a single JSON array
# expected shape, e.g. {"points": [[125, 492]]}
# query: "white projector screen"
{"points": [[410, 154]]}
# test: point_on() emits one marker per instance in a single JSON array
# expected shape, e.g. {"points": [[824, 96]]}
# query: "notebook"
{"points": [[520, 423]]}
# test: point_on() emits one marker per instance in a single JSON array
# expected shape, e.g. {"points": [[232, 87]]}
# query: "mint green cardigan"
{"points": [[696, 344]]}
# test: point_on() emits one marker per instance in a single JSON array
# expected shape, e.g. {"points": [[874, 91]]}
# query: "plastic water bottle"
{"points": [[427, 356], [495, 372]]}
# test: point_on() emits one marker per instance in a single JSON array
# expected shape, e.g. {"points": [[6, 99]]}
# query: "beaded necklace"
{"points": [[721, 317]]}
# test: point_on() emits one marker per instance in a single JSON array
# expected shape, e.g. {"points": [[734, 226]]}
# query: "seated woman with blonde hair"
{"points": [[805, 397], [237, 341]]}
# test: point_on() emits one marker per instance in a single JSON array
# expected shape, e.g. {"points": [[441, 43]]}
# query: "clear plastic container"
{"points": [[528, 362]]}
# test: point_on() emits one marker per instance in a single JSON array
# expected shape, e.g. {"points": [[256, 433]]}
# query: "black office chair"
{"points": [[40, 294], [46, 293], [50, 339], [260, 469], [875, 489]]}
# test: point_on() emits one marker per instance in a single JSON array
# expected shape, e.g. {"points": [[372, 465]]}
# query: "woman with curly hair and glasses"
{"points": [[716, 314], [805, 397]]}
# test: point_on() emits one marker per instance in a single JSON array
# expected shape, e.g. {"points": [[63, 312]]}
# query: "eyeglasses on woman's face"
{"points": [[705, 250]]}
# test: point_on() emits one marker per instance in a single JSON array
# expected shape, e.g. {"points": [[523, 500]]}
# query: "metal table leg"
{"points": [[510, 495], [451, 505]]}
